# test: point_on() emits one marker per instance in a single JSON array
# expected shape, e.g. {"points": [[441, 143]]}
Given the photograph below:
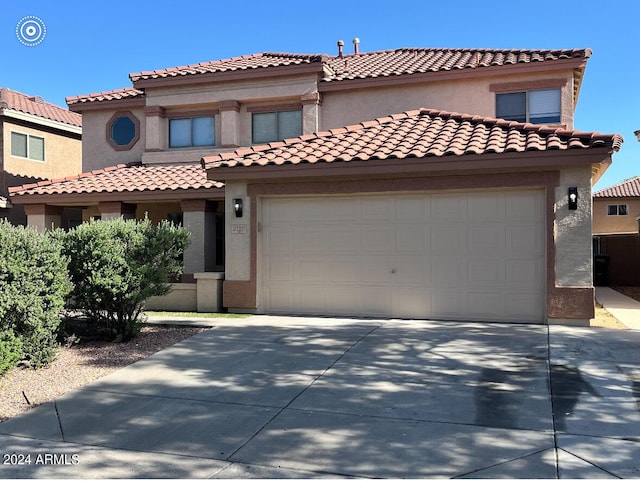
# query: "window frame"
{"points": [[527, 113], [28, 136], [114, 118], [277, 113], [191, 118], [624, 208]]}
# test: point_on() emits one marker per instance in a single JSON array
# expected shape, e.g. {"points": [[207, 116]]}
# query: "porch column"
{"points": [[114, 210], [199, 219], [229, 118], [43, 217]]}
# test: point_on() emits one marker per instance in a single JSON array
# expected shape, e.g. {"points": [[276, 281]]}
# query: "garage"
{"points": [[473, 255]]}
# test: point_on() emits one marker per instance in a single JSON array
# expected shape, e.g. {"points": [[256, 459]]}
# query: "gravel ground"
{"points": [[22, 389]]}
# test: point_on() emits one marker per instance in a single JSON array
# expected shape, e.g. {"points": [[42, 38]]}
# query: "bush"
{"points": [[10, 351], [116, 265], [33, 286]]}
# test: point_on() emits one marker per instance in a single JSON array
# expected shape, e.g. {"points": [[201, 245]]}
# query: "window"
{"points": [[27, 146], [274, 126], [123, 130], [535, 106], [192, 132], [617, 209]]}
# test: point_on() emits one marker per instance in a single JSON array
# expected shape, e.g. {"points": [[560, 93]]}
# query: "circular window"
{"points": [[123, 130]]}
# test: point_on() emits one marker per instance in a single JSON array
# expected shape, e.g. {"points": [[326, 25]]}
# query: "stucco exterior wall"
{"points": [[62, 154], [237, 234], [572, 230], [471, 96], [97, 153], [615, 224]]}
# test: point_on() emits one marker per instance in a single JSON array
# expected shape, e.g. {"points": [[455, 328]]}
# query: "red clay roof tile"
{"points": [[118, 94], [627, 188], [10, 99], [383, 63], [418, 133], [124, 178]]}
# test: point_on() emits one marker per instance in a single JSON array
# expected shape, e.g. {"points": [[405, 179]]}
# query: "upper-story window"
{"points": [[617, 209], [273, 126], [192, 132], [534, 106], [27, 146], [123, 130]]}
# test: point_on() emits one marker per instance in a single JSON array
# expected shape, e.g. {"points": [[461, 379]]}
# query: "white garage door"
{"points": [[470, 255]]}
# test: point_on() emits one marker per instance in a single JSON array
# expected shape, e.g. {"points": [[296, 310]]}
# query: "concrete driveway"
{"points": [[303, 397]]}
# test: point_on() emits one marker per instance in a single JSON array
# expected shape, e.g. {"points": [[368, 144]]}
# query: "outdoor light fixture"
{"points": [[237, 207], [573, 198]]}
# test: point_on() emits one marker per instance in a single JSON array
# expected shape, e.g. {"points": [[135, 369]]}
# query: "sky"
{"points": [[93, 46]]}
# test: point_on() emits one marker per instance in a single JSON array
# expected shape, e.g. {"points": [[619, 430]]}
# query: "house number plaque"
{"points": [[239, 229]]}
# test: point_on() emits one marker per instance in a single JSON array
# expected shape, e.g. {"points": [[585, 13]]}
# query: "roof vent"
{"points": [[340, 45], [37, 99], [356, 45]]}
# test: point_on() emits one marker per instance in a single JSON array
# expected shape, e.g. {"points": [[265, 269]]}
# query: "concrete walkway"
{"points": [[302, 397], [623, 308]]}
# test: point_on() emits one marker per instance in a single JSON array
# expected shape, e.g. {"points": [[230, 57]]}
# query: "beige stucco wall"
{"points": [[62, 154], [237, 231], [572, 230], [97, 153], [470, 96], [615, 224]]}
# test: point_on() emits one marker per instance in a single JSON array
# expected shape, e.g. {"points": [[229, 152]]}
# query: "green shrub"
{"points": [[10, 351], [116, 265], [33, 286]]}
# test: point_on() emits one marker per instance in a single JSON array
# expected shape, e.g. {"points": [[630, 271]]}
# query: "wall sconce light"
{"points": [[237, 207], [573, 198]]}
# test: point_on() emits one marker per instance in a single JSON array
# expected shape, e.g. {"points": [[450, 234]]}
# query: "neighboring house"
{"points": [[38, 141], [421, 214], [616, 229]]}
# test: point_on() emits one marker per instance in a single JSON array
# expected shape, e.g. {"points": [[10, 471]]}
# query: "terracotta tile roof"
{"points": [[246, 62], [124, 178], [414, 134], [383, 63], [125, 93], [28, 104], [627, 188], [406, 61]]}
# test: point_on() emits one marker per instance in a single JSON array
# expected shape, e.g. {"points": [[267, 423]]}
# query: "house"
{"points": [[616, 232], [38, 141], [297, 213]]}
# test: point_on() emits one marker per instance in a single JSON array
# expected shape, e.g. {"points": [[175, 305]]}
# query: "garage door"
{"points": [[470, 255]]}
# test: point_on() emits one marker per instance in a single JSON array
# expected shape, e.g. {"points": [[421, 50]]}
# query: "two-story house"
{"points": [[38, 141], [616, 233], [316, 194]]}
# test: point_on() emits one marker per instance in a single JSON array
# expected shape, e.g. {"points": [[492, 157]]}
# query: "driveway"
{"points": [[316, 397]]}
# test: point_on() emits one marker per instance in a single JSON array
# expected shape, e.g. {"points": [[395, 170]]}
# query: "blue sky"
{"points": [[93, 46]]}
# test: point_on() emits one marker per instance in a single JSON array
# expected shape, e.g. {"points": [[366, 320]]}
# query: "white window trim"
{"points": [[28, 135]]}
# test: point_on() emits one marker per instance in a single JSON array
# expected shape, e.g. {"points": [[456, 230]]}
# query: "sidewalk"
{"points": [[623, 308]]}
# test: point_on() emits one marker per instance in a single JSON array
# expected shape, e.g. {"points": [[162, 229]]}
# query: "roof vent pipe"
{"points": [[356, 45], [340, 45]]}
